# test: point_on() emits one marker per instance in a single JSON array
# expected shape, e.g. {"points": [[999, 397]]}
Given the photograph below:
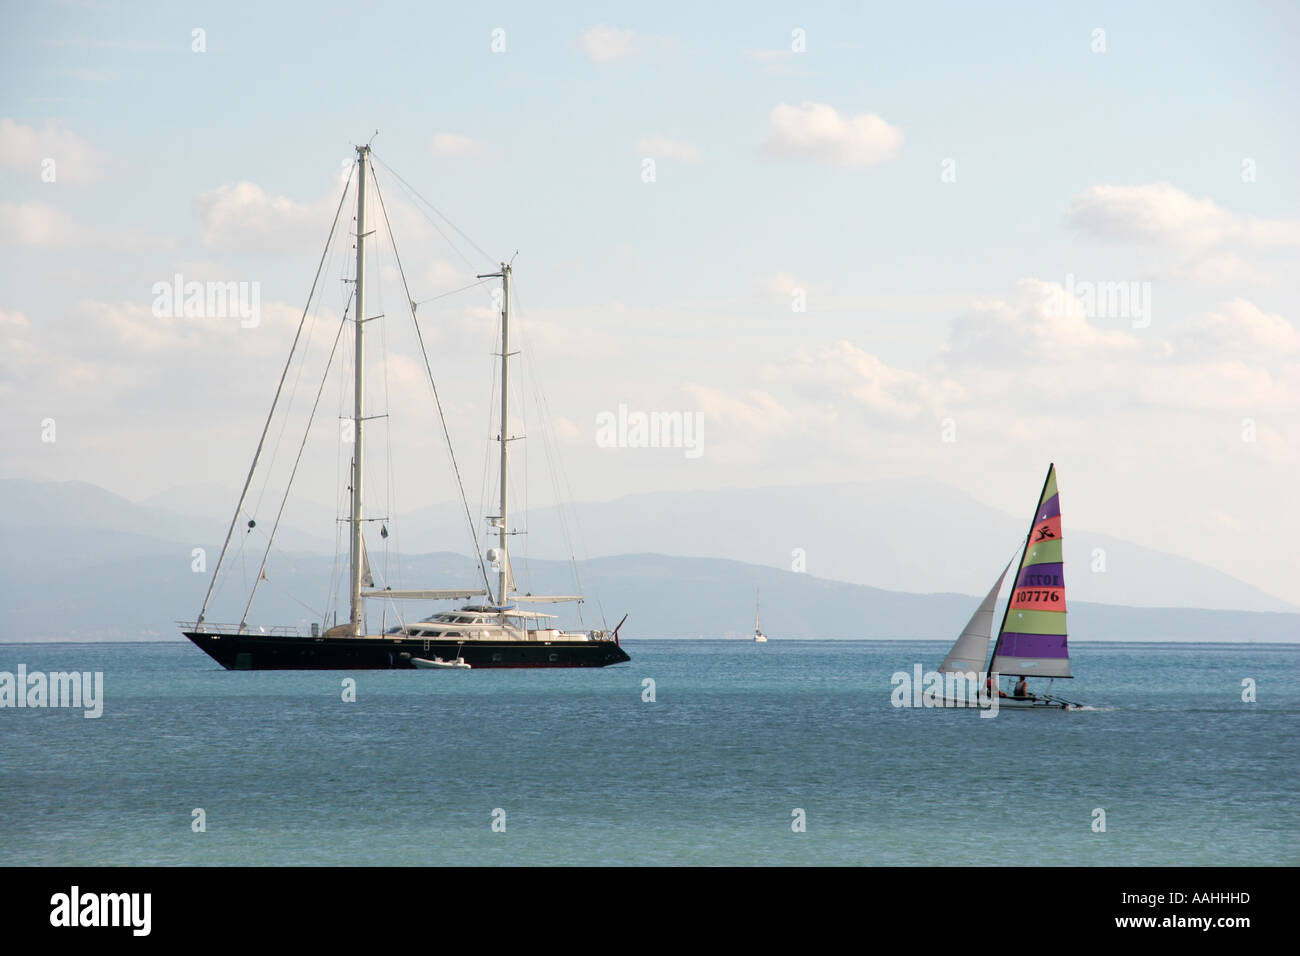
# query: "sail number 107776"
{"points": [[1032, 596]]}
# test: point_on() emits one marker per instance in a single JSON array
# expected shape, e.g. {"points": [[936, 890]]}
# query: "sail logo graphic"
{"points": [[1101, 300], [37, 689], [651, 430], [179, 299], [956, 689], [132, 910]]}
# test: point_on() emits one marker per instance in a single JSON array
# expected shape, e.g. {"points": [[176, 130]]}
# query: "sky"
{"points": [[850, 241]]}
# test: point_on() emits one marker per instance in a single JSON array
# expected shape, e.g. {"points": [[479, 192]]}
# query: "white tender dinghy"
{"points": [[439, 664]]}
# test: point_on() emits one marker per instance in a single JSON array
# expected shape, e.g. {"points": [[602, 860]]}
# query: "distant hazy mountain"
{"points": [[918, 536], [215, 502], [82, 563], [141, 596], [35, 515]]}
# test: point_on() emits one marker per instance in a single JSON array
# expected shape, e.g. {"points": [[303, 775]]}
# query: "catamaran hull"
{"points": [[260, 652], [1011, 703]]}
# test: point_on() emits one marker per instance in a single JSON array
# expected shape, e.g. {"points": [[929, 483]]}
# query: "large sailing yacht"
{"points": [[497, 630]]}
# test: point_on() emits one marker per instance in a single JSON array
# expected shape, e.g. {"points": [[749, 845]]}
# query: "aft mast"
{"points": [[503, 576], [357, 552]]}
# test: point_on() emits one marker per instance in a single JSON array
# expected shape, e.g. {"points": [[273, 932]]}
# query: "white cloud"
{"points": [[1221, 521], [243, 215], [1046, 324], [545, 338], [131, 328], [444, 277], [1161, 213], [604, 44], [845, 371], [1226, 268], [14, 319], [1237, 357], [1243, 328], [816, 131], [25, 148], [782, 283], [660, 147], [567, 431], [1221, 386], [456, 146], [137, 329], [751, 414], [92, 353], [40, 224]]}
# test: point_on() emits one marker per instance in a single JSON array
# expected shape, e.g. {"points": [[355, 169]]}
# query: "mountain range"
{"points": [[82, 563]]}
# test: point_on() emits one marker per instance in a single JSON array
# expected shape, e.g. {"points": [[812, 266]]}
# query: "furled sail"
{"points": [[972, 647], [367, 579], [1031, 641], [424, 594]]}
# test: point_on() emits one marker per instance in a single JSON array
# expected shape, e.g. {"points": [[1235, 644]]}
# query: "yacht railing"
{"points": [[248, 630], [290, 630]]}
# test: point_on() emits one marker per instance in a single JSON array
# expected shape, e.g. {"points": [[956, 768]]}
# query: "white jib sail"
{"points": [[972, 647]]}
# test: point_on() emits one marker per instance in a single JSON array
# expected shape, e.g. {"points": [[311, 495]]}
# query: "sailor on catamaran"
{"points": [[990, 686], [1022, 690]]}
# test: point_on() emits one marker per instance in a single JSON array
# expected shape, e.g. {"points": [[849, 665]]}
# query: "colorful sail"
{"points": [[1032, 640]]}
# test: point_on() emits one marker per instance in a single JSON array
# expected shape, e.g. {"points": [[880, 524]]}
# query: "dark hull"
{"points": [[259, 652]]}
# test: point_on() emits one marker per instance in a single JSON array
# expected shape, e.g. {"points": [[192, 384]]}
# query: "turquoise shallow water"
{"points": [[709, 773]]}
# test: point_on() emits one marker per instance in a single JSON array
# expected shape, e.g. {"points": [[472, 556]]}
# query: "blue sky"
{"points": [[924, 296]]}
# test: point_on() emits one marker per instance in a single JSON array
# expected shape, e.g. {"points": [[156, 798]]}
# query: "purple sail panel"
{"points": [[1049, 508], [1041, 576], [1032, 645]]}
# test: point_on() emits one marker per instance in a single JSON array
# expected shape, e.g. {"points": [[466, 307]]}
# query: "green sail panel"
{"points": [[1035, 622], [1043, 552], [1049, 489]]}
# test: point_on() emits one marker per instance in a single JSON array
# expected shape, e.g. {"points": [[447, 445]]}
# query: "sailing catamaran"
{"points": [[495, 632], [1031, 641], [759, 636]]}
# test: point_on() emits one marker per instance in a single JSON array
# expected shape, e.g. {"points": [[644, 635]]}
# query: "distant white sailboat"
{"points": [[759, 636]]}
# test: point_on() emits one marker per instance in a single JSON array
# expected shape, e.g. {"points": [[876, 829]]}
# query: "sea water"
{"points": [[696, 752]]}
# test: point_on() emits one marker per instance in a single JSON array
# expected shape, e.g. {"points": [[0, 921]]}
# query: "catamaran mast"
{"points": [[1015, 581], [358, 398], [503, 576]]}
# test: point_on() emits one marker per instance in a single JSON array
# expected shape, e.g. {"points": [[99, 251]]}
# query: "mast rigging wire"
{"points": [[292, 474], [424, 353]]}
